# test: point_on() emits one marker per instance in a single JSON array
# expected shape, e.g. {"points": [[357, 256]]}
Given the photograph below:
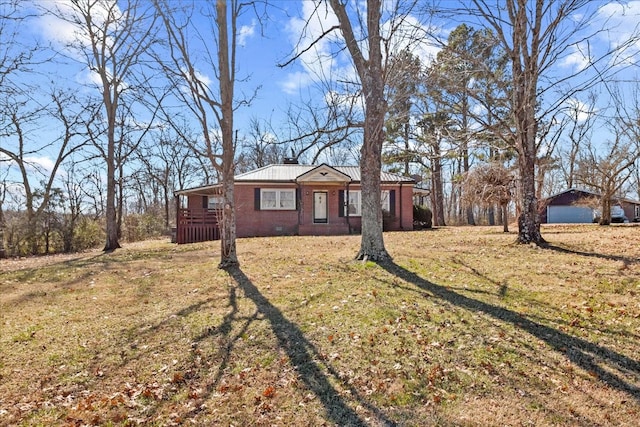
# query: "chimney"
{"points": [[290, 160]]}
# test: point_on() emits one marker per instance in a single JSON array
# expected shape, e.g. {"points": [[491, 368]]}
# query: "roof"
{"points": [[589, 193], [572, 190], [291, 173]]}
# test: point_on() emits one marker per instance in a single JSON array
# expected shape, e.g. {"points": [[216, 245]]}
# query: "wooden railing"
{"points": [[197, 225]]}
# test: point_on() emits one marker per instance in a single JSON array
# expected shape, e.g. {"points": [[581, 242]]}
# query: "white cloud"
{"points": [[620, 21], [40, 163], [578, 59], [579, 110], [34, 163], [411, 34], [246, 31], [295, 81], [58, 25], [316, 62], [321, 63]]}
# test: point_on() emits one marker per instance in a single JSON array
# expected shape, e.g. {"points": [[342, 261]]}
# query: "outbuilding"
{"points": [[574, 206]]}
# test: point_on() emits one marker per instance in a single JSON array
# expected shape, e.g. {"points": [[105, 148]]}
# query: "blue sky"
{"points": [[292, 25]]}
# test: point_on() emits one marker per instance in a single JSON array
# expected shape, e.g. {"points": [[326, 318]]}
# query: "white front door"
{"points": [[320, 206]]}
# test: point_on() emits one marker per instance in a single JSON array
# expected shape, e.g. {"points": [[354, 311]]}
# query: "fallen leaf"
{"points": [[269, 391]]}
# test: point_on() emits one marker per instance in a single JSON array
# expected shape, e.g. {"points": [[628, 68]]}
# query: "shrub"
{"points": [[88, 234], [138, 227], [422, 217], [387, 220]]}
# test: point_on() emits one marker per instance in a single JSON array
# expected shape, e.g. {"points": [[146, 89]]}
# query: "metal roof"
{"points": [[289, 173], [592, 193]]}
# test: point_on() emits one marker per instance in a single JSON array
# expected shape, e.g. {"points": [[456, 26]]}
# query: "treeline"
{"points": [[93, 153]]}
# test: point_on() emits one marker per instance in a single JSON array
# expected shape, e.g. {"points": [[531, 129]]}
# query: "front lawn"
{"points": [[463, 328]]}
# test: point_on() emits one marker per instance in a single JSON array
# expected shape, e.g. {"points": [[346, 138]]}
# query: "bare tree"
{"points": [[536, 35], [606, 174], [369, 43], [111, 38], [15, 57], [371, 74], [167, 163], [260, 148], [317, 129], [209, 103], [434, 131], [23, 151], [578, 127]]}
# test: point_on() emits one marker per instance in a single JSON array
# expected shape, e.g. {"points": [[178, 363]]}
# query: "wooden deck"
{"points": [[197, 225]]}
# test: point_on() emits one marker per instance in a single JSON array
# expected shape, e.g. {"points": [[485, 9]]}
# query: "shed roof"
{"points": [[588, 193]]}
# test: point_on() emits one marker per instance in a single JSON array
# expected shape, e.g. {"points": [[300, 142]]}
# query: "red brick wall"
{"points": [[403, 207], [251, 222]]}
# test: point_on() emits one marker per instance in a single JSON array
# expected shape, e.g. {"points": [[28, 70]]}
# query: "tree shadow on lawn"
{"points": [[614, 369], [624, 259], [300, 351], [50, 286], [303, 355]]}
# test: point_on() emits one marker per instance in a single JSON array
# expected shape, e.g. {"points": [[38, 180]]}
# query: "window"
{"points": [[354, 206], [271, 199], [384, 197], [215, 202]]}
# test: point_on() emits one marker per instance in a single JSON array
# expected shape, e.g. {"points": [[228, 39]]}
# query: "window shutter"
{"points": [[256, 199], [392, 202], [297, 201], [205, 202], [340, 202]]}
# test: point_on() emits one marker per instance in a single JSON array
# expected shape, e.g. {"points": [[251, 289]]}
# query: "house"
{"points": [[582, 206], [293, 199]]}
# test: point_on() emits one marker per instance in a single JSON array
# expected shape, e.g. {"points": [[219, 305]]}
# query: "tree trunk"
{"points": [[529, 221], [605, 217], [438, 192], [111, 217], [371, 77], [228, 254], [505, 218], [491, 215], [120, 200], [524, 104], [372, 242], [407, 149]]}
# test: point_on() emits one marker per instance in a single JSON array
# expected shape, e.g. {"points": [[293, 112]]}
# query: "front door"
{"points": [[320, 207]]}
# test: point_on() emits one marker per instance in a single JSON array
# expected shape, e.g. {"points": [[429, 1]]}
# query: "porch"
{"points": [[196, 225]]}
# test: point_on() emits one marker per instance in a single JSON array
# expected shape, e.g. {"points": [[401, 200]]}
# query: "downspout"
{"points": [[345, 204], [299, 204], [401, 226]]}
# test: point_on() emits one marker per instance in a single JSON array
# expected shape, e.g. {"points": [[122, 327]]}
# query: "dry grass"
{"points": [[463, 328]]}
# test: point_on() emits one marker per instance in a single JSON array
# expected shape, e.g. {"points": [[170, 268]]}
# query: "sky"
{"points": [[289, 28]]}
